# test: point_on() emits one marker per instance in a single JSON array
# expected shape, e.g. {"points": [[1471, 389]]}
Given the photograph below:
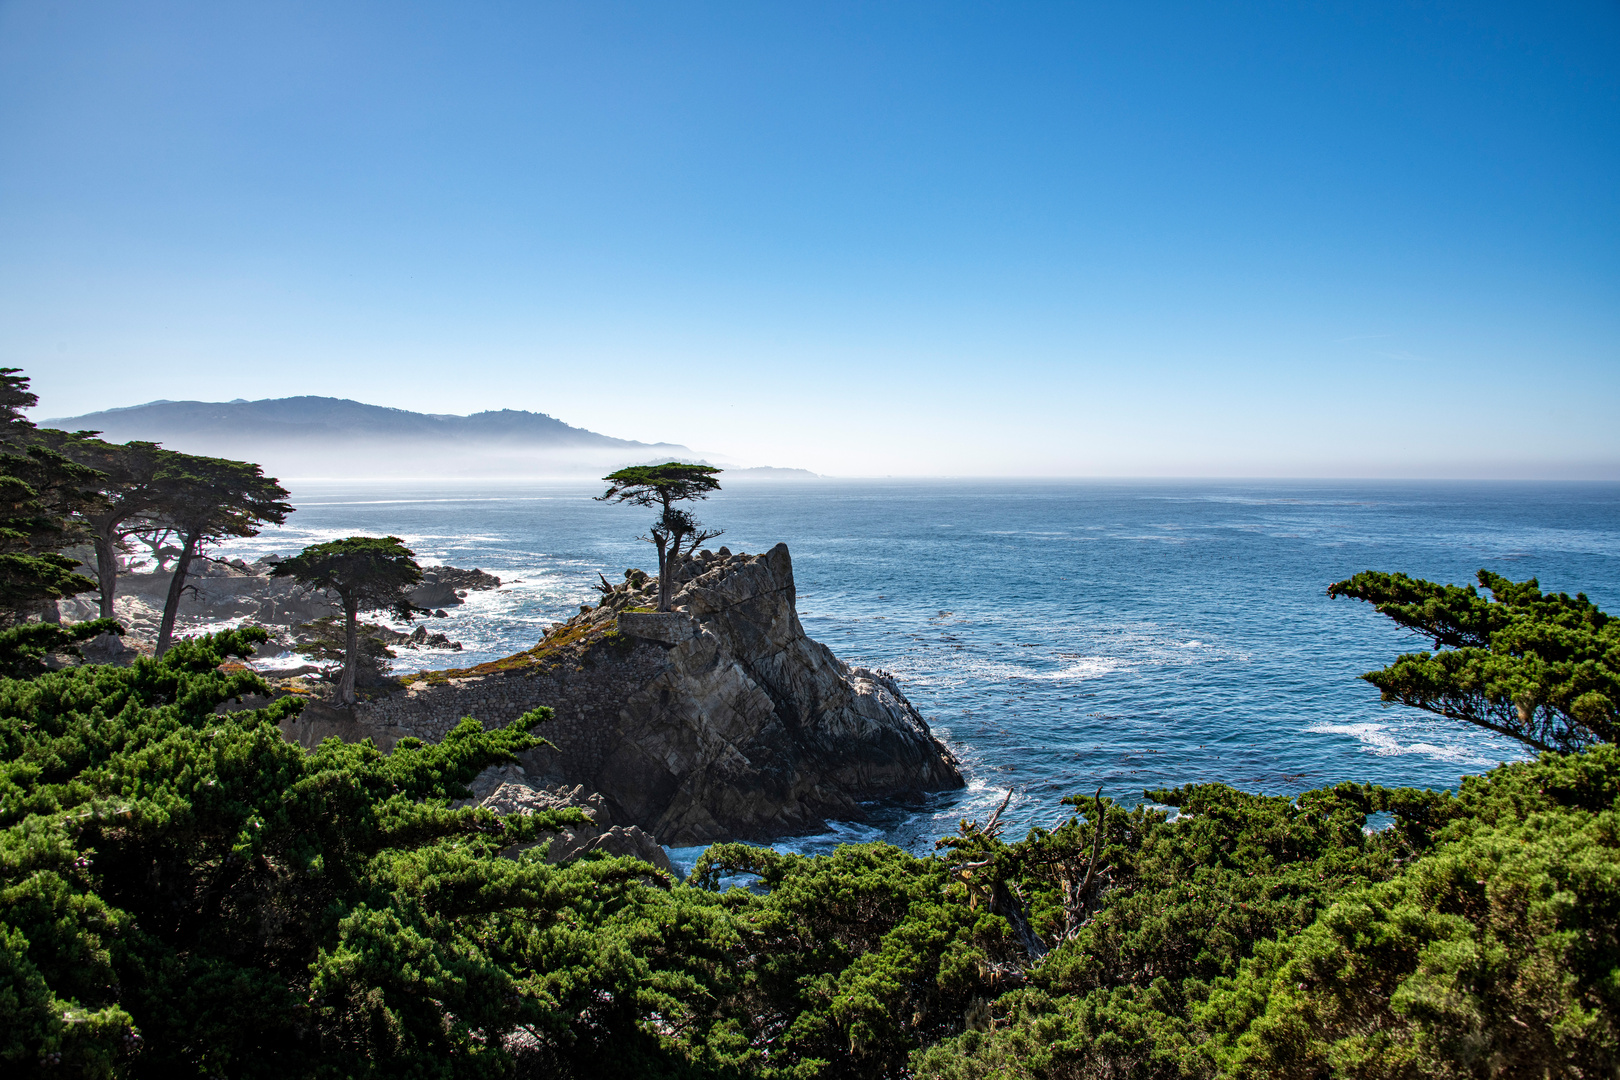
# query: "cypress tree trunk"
{"points": [[666, 592], [177, 585], [661, 542], [665, 562], [106, 569], [351, 650]]}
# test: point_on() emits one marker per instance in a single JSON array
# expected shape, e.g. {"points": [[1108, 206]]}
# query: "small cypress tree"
{"points": [[369, 573]]}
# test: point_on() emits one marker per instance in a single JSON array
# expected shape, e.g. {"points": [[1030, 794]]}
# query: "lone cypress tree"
{"points": [[663, 486], [369, 573], [206, 500]]}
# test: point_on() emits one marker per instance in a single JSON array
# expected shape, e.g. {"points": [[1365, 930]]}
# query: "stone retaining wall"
{"points": [[587, 701]]}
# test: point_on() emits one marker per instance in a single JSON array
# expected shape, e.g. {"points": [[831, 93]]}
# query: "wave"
{"points": [[1379, 739]]}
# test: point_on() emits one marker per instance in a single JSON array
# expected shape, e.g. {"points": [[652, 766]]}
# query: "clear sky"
{"points": [[1293, 239]]}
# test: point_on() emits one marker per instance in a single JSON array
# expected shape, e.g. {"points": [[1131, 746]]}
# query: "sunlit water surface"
{"points": [[1059, 636]]}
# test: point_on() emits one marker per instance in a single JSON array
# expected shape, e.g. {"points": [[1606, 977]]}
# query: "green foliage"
{"points": [[1260, 937], [245, 909], [130, 486], [40, 490], [660, 485], [184, 892], [209, 499], [206, 500], [14, 398], [1496, 954], [1542, 668], [23, 648], [369, 573], [663, 486]]}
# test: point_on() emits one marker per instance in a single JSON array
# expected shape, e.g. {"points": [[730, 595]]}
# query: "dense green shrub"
{"points": [[185, 893], [1273, 938]]}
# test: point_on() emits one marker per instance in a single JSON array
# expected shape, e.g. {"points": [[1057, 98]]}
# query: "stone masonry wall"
{"points": [[587, 700]]}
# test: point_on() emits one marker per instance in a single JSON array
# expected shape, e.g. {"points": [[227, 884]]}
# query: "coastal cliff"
{"points": [[718, 720]]}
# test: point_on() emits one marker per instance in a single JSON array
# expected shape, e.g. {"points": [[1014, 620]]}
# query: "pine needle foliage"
{"points": [[662, 486], [24, 648], [42, 493], [1272, 937], [1542, 668]]}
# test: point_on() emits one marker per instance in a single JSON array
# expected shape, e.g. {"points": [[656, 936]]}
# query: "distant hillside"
{"points": [[330, 419], [321, 436]]}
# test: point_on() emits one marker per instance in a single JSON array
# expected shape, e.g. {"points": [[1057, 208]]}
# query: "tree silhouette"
{"points": [[130, 489], [1542, 668], [41, 495]]}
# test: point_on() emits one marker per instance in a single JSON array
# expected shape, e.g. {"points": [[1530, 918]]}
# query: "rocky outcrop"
{"points": [[510, 790], [753, 729], [721, 720], [447, 586]]}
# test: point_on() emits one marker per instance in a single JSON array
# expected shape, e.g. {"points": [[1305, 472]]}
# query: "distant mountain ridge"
{"points": [[333, 418], [336, 437]]}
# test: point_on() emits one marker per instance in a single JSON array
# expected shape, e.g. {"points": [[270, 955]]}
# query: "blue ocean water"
{"points": [[1059, 636]]}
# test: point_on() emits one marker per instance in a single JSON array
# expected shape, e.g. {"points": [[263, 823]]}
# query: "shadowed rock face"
{"points": [[752, 730]]}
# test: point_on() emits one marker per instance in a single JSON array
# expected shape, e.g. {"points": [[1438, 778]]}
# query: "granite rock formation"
{"points": [[719, 720], [753, 729]]}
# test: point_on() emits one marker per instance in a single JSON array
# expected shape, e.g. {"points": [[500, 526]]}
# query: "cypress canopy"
{"points": [[369, 573], [207, 500], [663, 486], [1542, 668]]}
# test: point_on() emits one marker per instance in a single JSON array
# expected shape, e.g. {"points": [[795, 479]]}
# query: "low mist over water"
{"points": [[1059, 636]]}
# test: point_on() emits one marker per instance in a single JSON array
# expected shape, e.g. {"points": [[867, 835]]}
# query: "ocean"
{"points": [[1060, 636]]}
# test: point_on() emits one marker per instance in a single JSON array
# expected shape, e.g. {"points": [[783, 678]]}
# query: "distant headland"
{"points": [[336, 437]]}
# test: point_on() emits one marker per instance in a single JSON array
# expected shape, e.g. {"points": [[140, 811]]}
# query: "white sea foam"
{"points": [[1379, 739], [965, 670]]}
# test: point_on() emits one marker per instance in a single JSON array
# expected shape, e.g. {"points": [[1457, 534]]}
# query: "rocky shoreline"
{"points": [[220, 591]]}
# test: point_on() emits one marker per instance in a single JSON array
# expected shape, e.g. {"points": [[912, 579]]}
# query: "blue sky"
{"points": [[936, 238]]}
